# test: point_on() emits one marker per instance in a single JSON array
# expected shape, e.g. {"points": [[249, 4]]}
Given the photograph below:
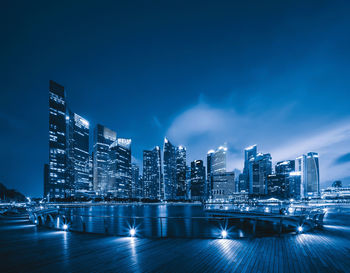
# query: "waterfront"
{"points": [[28, 248]]}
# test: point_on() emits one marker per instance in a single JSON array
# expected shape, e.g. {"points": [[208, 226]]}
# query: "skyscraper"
{"points": [[103, 138], [152, 175], [180, 172], [259, 168], [56, 184], [249, 153], [119, 171], [78, 165], [223, 186], [169, 159], [308, 166], [136, 188], [216, 164], [197, 180], [285, 167]]}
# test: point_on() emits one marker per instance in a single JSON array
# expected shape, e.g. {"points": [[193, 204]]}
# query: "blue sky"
{"points": [[271, 73]]}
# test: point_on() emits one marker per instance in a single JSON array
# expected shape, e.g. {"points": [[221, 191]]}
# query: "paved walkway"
{"points": [[27, 248]]}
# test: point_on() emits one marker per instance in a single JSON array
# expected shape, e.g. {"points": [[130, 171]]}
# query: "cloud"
{"points": [[342, 159], [276, 131]]}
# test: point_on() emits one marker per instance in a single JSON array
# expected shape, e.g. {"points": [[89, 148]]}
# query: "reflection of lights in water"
{"points": [[223, 234]]}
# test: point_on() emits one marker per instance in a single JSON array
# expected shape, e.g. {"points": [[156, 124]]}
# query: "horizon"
{"points": [[274, 75]]}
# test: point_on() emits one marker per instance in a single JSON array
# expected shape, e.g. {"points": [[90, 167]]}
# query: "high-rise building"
{"points": [[216, 165], [152, 175], [120, 173], [169, 159], [78, 175], [103, 138], [136, 188], [249, 152], [308, 166], [56, 185], [285, 167], [223, 186], [197, 180], [46, 177], [180, 172], [259, 168]]}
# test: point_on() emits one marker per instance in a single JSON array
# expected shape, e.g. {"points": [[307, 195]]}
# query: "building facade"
{"points": [[180, 172], [153, 187], [259, 169], [57, 180], [169, 164], [103, 138], [197, 180]]}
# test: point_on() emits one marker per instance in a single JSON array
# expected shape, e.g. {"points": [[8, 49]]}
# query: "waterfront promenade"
{"points": [[28, 248]]}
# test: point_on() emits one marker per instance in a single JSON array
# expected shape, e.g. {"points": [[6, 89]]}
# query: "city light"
{"points": [[35, 221], [132, 232], [223, 234], [65, 227], [300, 229]]}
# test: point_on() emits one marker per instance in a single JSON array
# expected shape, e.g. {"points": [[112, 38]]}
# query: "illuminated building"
{"points": [[259, 168], [223, 186], [136, 186], [249, 153], [120, 172], [56, 182], [180, 172], [103, 138], [308, 166], [216, 168], [169, 163], [78, 177], [152, 174], [197, 180]]}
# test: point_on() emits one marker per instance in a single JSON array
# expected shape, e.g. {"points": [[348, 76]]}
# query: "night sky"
{"points": [[271, 73]]}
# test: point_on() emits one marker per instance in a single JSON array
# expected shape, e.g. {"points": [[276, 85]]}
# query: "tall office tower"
{"points": [[180, 172], [152, 175], [294, 183], [120, 173], [223, 186], [135, 181], [103, 138], [313, 175], [197, 180], [249, 153], [216, 164], [259, 168], [188, 183], [78, 177], [91, 171], [46, 177], [308, 166], [169, 159], [285, 167], [56, 186]]}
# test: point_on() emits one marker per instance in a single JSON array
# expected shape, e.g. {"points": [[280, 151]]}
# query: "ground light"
{"points": [[65, 227], [132, 232], [224, 234], [300, 229]]}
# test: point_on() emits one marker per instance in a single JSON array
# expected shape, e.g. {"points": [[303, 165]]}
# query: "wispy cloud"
{"points": [[203, 127]]}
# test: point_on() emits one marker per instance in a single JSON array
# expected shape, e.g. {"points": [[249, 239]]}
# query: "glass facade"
{"points": [[152, 174], [103, 138], [180, 172], [197, 180], [169, 163], [56, 183], [259, 169]]}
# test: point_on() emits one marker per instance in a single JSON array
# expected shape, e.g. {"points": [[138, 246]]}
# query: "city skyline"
{"points": [[286, 91]]}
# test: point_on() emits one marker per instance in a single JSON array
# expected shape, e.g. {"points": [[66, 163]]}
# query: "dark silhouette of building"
{"points": [[197, 180], [56, 185]]}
